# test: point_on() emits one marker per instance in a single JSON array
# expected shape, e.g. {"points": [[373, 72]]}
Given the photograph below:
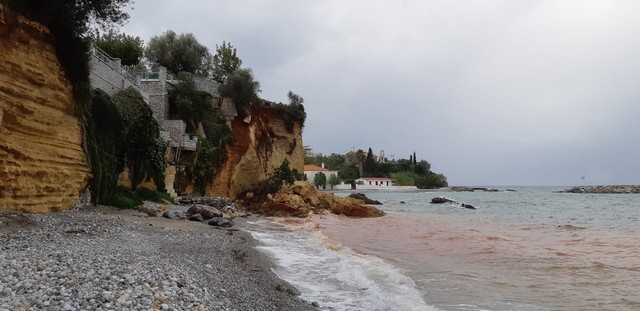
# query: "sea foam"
{"points": [[333, 275]]}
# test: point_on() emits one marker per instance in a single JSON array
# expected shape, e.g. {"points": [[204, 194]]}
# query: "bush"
{"points": [[123, 198], [404, 179], [147, 194], [241, 87], [283, 175]]}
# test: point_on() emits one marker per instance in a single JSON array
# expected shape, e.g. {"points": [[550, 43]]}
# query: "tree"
{"points": [[241, 87], [422, 168], [224, 62], [69, 22], [179, 53], [188, 103], [320, 180], [348, 172], [360, 157], [128, 49], [294, 99], [334, 180], [369, 164]]}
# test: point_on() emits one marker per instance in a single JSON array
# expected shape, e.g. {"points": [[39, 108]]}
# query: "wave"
{"points": [[333, 275]]}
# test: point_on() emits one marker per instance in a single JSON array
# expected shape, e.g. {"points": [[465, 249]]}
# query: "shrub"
{"points": [[147, 194], [123, 198]]}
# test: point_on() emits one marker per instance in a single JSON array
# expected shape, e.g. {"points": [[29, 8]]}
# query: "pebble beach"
{"points": [[100, 258]]}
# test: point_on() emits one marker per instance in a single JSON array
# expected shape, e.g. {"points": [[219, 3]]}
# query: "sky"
{"points": [[502, 92]]}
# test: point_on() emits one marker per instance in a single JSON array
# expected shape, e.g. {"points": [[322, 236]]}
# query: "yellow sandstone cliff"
{"points": [[42, 164], [261, 143]]}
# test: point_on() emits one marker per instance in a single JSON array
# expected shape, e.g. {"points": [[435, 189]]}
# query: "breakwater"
{"points": [[605, 189]]}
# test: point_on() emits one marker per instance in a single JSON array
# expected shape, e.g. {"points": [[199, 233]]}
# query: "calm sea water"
{"points": [[532, 249]]}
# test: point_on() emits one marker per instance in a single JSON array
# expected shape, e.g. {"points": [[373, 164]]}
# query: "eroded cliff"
{"points": [[260, 146], [42, 165]]}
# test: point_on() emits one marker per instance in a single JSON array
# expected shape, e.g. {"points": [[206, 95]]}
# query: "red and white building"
{"points": [[375, 182]]}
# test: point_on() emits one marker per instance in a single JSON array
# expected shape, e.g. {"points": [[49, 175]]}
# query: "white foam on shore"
{"points": [[333, 275]]}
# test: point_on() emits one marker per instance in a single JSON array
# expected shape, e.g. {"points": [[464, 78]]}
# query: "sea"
{"points": [[529, 248]]}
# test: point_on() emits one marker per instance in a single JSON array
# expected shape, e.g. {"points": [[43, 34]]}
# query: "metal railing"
{"points": [[111, 62]]}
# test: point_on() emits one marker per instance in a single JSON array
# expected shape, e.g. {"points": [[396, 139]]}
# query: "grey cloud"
{"points": [[490, 92]]}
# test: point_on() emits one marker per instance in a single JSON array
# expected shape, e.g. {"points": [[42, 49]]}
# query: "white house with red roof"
{"points": [[375, 182], [310, 172]]}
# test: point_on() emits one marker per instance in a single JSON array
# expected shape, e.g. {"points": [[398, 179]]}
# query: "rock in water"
{"points": [[440, 200], [361, 196], [469, 206]]}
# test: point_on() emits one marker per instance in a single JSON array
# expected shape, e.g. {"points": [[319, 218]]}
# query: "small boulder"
{"points": [[221, 222], [206, 211], [353, 208], [152, 209], [196, 217], [174, 215], [440, 200]]}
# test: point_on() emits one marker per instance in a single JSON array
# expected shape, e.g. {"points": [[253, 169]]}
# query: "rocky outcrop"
{"points": [[363, 197], [42, 164], [301, 198], [605, 189], [261, 143]]}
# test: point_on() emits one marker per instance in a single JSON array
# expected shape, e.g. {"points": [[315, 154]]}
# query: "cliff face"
{"points": [[42, 164], [260, 146]]}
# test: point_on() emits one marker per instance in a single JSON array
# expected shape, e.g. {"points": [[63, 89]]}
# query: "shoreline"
{"points": [[103, 258]]}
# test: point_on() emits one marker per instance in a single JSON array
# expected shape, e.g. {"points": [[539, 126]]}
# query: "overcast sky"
{"points": [[509, 92]]}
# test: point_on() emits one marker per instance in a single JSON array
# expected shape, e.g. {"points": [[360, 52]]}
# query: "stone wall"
{"points": [[42, 163], [158, 95], [108, 74]]}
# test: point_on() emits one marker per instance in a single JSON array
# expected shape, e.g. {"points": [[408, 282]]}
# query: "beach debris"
{"points": [[363, 197]]}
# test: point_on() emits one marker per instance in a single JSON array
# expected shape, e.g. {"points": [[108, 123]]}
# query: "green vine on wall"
{"points": [[121, 131]]}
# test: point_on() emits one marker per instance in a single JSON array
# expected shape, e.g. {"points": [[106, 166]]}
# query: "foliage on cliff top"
{"points": [[292, 112], [69, 22], [242, 87], [128, 49], [179, 53], [225, 62]]}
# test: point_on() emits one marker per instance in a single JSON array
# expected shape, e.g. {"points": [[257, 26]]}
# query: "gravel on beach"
{"points": [[99, 258]]}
